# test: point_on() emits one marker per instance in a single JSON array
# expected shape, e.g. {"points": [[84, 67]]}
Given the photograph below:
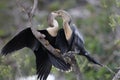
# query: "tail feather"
{"points": [[59, 63], [91, 59], [43, 64], [47, 71], [85, 53], [44, 71]]}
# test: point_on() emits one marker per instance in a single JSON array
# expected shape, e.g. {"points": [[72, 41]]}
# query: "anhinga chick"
{"points": [[44, 58], [73, 40]]}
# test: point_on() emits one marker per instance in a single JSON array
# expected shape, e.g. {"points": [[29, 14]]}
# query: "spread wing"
{"points": [[23, 39], [45, 60], [43, 64]]}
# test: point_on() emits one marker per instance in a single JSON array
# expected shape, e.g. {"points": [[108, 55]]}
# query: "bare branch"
{"points": [[76, 69], [21, 6], [34, 7], [37, 34], [117, 76]]}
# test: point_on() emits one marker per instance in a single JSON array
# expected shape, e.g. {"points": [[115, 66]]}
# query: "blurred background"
{"points": [[98, 21]]}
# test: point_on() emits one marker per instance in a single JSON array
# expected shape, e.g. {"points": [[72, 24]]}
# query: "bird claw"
{"points": [[57, 50], [68, 54], [46, 43], [41, 36], [67, 59]]}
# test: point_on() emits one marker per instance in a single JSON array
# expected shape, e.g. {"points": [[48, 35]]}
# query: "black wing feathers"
{"points": [[79, 43], [44, 59], [61, 41], [23, 39], [59, 63], [43, 64]]}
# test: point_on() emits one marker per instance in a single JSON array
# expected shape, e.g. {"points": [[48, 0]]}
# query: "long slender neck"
{"points": [[67, 29], [54, 29]]}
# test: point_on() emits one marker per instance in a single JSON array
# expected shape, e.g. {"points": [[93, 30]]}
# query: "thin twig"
{"points": [[21, 6], [34, 7], [110, 70]]}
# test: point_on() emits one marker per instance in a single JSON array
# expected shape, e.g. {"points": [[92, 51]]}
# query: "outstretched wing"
{"points": [[43, 64], [59, 63], [23, 39], [45, 60]]}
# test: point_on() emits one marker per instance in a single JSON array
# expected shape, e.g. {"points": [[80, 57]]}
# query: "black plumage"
{"points": [[61, 41], [70, 39], [44, 59]]}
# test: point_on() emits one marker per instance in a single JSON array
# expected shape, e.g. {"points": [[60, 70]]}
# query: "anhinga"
{"points": [[44, 58], [70, 39]]}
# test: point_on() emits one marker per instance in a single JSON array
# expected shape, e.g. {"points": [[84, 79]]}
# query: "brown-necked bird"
{"points": [[44, 58], [70, 39]]}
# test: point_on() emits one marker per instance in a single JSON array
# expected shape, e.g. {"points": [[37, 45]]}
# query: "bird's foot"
{"points": [[67, 59], [57, 50], [68, 54], [47, 43], [40, 35]]}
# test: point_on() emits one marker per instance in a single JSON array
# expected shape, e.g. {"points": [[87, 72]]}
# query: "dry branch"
{"points": [[37, 34], [76, 69], [117, 76]]}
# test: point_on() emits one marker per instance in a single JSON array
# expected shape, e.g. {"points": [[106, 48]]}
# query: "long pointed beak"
{"points": [[54, 14]]}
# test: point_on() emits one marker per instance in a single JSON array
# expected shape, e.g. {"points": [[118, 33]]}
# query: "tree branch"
{"points": [[37, 34], [117, 76], [76, 69], [34, 8]]}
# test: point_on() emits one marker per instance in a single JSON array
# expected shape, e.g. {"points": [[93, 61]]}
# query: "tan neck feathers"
{"points": [[53, 30], [67, 30]]}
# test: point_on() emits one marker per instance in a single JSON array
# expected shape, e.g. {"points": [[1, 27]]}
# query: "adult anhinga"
{"points": [[44, 58], [70, 39]]}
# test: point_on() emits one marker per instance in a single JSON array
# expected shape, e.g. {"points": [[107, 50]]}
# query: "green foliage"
{"points": [[54, 6], [117, 42], [68, 4], [26, 61], [103, 22], [3, 4], [90, 7], [5, 72], [114, 21], [117, 3], [96, 74], [70, 76], [94, 46], [2, 32], [97, 29], [60, 22]]}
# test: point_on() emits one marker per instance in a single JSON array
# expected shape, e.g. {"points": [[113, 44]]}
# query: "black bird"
{"points": [[44, 58], [70, 39]]}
